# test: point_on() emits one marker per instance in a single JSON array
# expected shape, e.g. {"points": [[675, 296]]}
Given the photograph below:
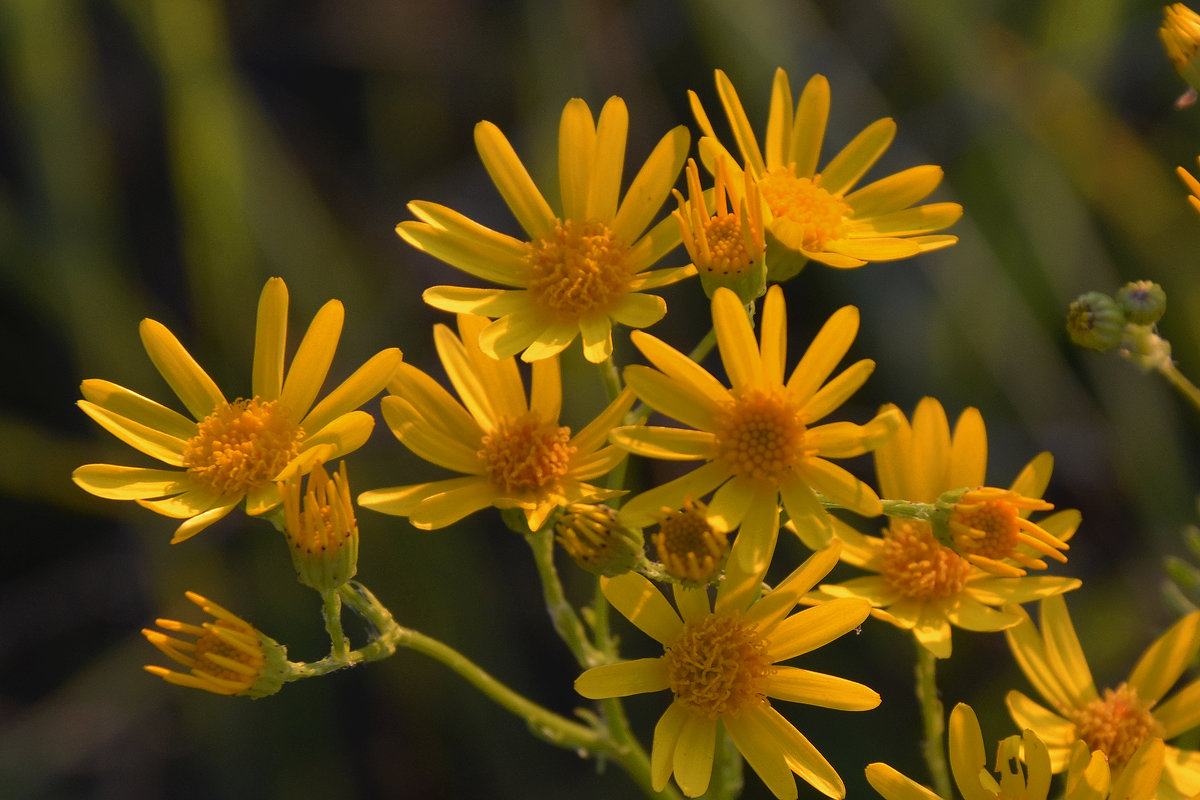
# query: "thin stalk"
{"points": [[331, 610], [1177, 379], [933, 720], [567, 624]]}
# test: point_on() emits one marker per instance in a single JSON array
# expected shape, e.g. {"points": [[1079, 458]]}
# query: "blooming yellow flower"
{"points": [[815, 215], [225, 656], [758, 439], [236, 449], [581, 268], [1088, 777], [513, 452], [922, 585], [1118, 721], [722, 663]]}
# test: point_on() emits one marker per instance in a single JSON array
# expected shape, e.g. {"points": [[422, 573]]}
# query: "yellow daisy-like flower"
{"points": [[758, 438], [581, 268], [1117, 721], [238, 449], [721, 663], [1088, 777], [513, 451], [922, 585], [816, 215], [226, 656]]}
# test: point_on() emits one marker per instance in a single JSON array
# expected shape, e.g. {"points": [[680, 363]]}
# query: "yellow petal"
{"points": [[639, 310], [576, 154], [311, 363], [270, 339], [874, 249], [968, 451], [433, 405], [1063, 652], [596, 332], [815, 627], [513, 181], [773, 337], [833, 394], [1181, 773], [1035, 477], [693, 379], [759, 531], [894, 192], [1139, 779], [196, 524], [363, 384], [652, 185], [185, 377], [969, 614], [906, 222], [808, 130], [768, 611], [817, 689], [692, 603], [779, 121], [545, 389], [641, 510], [1165, 660], [401, 500], [1029, 651], [662, 750], [482, 302], [183, 506], [694, 753], [735, 338], [967, 756], [892, 785], [661, 393], [1052, 729], [504, 252], [1181, 713], [624, 678], [132, 406], [675, 444], [929, 460], [596, 432], [452, 503], [841, 487], [801, 756], [644, 606], [475, 254], [114, 482], [512, 333], [608, 166], [827, 349], [154, 443], [500, 377], [743, 131], [844, 170], [550, 342], [429, 442], [756, 741], [997, 591], [345, 434]]}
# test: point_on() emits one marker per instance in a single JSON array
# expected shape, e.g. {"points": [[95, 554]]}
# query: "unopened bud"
{"points": [[599, 544], [1095, 321], [1143, 302]]}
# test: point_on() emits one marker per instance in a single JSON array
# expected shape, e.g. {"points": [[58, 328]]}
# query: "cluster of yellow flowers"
{"points": [[952, 549]]}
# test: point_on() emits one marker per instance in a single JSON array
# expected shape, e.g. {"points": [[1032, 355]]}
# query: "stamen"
{"points": [[717, 666], [526, 453], [578, 269], [821, 215], [916, 565], [761, 434], [1116, 724], [242, 445]]}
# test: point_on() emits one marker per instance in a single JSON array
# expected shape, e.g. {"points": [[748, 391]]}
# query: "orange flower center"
{"points": [[525, 453], [213, 653], [687, 545], [821, 215], [242, 445], [761, 434], [727, 254], [916, 565], [988, 529], [578, 269], [717, 666], [1116, 724]]}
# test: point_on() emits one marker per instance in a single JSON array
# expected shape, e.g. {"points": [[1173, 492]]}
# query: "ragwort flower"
{"points": [[815, 215], [920, 584], [721, 664], [512, 450], [1088, 777], [235, 450], [759, 439], [582, 267], [1117, 721]]}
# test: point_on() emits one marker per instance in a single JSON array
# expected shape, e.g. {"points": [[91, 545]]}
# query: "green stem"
{"points": [[701, 350], [331, 610], [727, 781], [1177, 379], [567, 624], [611, 378], [934, 720]]}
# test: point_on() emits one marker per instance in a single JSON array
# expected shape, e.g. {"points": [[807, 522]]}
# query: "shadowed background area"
{"points": [[163, 158]]}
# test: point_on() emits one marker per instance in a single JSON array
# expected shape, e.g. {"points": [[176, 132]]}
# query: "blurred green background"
{"points": [[162, 158]]}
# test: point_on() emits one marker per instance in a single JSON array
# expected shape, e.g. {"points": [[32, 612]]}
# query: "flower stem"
{"points": [[1177, 379], [331, 610], [567, 624], [933, 718]]}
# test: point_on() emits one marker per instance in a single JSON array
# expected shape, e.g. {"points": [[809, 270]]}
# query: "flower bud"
{"points": [[689, 547], [1095, 321], [599, 544], [1142, 302], [321, 530]]}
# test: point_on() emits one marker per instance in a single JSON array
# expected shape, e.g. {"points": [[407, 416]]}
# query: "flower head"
{"points": [[921, 584], [321, 531], [815, 214], [582, 267], [234, 450], [688, 545], [1117, 721], [759, 438], [512, 451], [722, 663], [1087, 779], [225, 656]]}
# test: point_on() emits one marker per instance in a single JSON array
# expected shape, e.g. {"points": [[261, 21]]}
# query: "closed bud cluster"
{"points": [[321, 530], [1142, 302], [595, 540]]}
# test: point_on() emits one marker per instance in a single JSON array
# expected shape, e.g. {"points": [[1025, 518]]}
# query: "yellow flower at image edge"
{"points": [[758, 438], [721, 664], [579, 270], [1088, 777], [1117, 721], [512, 450], [224, 656], [920, 584], [815, 215], [233, 450]]}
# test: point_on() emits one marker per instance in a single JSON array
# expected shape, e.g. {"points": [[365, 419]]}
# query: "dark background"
{"points": [[162, 158]]}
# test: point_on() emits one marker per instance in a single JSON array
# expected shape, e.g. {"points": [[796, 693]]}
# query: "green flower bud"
{"points": [[1095, 321], [595, 540], [1143, 302]]}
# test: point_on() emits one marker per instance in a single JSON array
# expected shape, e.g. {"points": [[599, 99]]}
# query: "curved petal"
{"points": [[311, 363], [576, 155], [971, 615], [743, 131], [191, 527], [817, 689], [803, 507], [756, 741], [1064, 653], [967, 756], [694, 751], [401, 500], [114, 482], [545, 389], [363, 384], [152, 442], [839, 486], [833, 394], [623, 679], [735, 339], [429, 442], [641, 510], [644, 606], [1181, 713], [596, 433], [550, 342], [891, 785], [906, 222], [511, 334], [801, 756], [1165, 660], [662, 748], [132, 406], [596, 332], [674, 444], [759, 531], [662, 394], [732, 500], [432, 404], [997, 591], [452, 504], [270, 339], [1052, 729], [636, 310], [692, 603], [346, 434], [185, 377], [489, 303], [513, 181], [808, 128], [652, 185], [844, 170], [491, 249], [1030, 654], [1181, 771], [485, 258], [829, 346], [815, 627], [608, 166], [894, 192], [691, 377]]}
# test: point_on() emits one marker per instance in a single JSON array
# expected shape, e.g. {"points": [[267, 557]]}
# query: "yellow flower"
{"points": [[925, 586], [759, 438], [236, 449], [1120, 720], [815, 215], [225, 656], [581, 268], [722, 663], [1087, 779], [1180, 34], [321, 530], [512, 451]]}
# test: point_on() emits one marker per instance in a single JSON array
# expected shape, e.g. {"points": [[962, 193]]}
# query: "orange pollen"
{"points": [[916, 565], [718, 666], [821, 215], [242, 445], [761, 434], [1116, 724], [727, 253], [210, 644], [577, 269], [990, 529], [688, 546], [525, 453]]}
